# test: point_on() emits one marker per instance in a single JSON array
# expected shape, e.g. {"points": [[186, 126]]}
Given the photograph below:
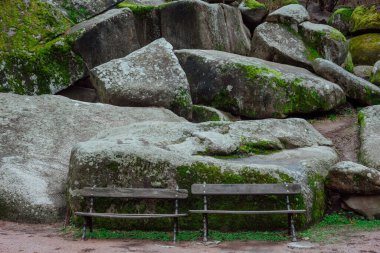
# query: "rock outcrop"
{"points": [[169, 154], [375, 75], [150, 76], [255, 88], [36, 137], [365, 49], [288, 37], [355, 87], [369, 121], [253, 13], [213, 26]]}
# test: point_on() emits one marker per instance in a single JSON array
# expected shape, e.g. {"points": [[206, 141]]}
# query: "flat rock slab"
{"points": [[254, 88], [166, 154], [37, 135]]}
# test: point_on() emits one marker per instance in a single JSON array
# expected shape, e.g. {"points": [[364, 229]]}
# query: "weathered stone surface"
{"points": [[368, 206], [369, 121], [148, 26], [150, 76], [375, 75], [292, 14], [213, 26], [354, 87], [363, 71], [352, 178], [255, 88], [166, 154], [252, 16], [365, 49], [36, 137], [203, 113], [328, 41], [341, 19], [278, 43], [105, 37]]}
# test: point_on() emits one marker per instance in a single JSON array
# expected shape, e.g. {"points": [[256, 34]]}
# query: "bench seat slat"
{"points": [[144, 193], [245, 189], [248, 212], [129, 216]]}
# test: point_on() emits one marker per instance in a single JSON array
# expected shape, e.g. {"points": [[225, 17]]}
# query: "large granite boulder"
{"points": [[150, 76], [365, 19], [327, 40], [255, 88], [351, 178], [368, 206], [341, 19], [279, 43], [253, 13], [369, 121], [355, 87], [36, 137], [169, 154], [292, 15], [365, 49], [213, 26], [363, 71], [105, 37]]}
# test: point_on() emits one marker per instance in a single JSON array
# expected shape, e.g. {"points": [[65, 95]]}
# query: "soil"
{"points": [[37, 238], [344, 133]]}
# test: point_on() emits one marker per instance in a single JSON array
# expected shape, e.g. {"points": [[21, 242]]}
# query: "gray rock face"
{"points": [[352, 178], [255, 88], [213, 26], [363, 71], [292, 14], [368, 206], [369, 120], [36, 137], [148, 26], [275, 42], [166, 154], [329, 41], [252, 17], [105, 37], [354, 87], [375, 75], [150, 76]]}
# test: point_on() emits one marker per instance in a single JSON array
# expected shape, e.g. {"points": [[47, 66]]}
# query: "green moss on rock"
{"points": [[253, 4], [138, 9], [344, 15], [32, 59], [201, 114], [365, 49], [365, 18]]}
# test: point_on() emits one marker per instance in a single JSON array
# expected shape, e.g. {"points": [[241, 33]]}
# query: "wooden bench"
{"points": [[135, 193], [246, 189]]}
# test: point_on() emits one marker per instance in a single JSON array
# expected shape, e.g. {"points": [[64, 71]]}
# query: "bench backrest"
{"points": [[245, 189], [143, 193]]}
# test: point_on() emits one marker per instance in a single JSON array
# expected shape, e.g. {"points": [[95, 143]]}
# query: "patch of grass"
{"points": [[338, 225], [332, 116]]}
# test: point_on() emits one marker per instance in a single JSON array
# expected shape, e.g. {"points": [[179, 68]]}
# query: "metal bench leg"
{"points": [[175, 230], [205, 227], [84, 229], [292, 229]]}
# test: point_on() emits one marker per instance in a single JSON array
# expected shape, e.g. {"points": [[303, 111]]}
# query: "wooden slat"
{"points": [[247, 212], [145, 193], [129, 216], [245, 189]]}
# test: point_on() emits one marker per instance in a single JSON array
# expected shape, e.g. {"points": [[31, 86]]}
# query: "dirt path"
{"points": [[344, 133], [29, 238]]}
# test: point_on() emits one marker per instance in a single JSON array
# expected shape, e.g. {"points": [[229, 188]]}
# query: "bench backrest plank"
{"points": [[245, 189], [147, 193]]}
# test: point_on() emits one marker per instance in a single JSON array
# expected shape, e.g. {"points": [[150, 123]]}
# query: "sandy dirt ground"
{"points": [[36, 238], [344, 133]]}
